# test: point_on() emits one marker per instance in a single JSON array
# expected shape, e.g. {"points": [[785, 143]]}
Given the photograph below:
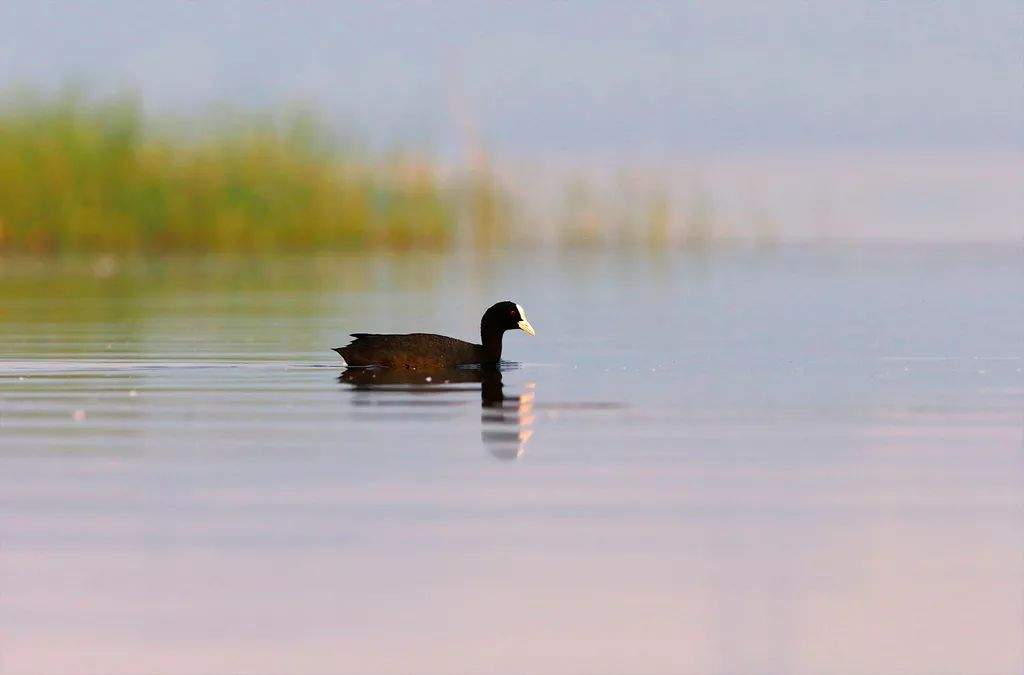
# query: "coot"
{"points": [[426, 351]]}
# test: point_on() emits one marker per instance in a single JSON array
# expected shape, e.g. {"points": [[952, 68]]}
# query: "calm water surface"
{"points": [[802, 460]]}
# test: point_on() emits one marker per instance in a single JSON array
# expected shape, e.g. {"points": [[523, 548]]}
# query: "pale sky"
{"points": [[572, 77]]}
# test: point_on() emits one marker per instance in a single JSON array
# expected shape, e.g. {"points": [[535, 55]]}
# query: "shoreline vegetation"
{"points": [[105, 178], [94, 176], [100, 176]]}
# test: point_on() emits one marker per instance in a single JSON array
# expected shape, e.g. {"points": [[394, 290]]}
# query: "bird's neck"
{"points": [[491, 339]]}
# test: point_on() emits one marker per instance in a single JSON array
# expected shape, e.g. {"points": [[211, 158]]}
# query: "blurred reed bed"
{"points": [[82, 175], [625, 209], [77, 175]]}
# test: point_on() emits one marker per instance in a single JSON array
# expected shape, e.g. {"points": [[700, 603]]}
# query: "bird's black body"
{"points": [[420, 351], [426, 351]]}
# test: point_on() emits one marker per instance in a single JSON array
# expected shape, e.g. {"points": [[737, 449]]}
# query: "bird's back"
{"points": [[421, 351]]}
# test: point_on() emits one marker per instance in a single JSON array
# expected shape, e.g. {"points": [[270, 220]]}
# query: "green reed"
{"points": [[83, 175], [77, 175]]}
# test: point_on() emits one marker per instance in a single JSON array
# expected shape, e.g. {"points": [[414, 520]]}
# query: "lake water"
{"points": [[794, 460]]}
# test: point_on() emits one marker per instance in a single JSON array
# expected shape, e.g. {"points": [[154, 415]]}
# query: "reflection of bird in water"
{"points": [[506, 421]]}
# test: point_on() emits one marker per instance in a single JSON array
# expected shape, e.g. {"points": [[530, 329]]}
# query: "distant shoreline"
{"points": [[88, 176]]}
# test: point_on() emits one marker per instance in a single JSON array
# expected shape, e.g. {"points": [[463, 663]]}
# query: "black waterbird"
{"points": [[426, 351]]}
